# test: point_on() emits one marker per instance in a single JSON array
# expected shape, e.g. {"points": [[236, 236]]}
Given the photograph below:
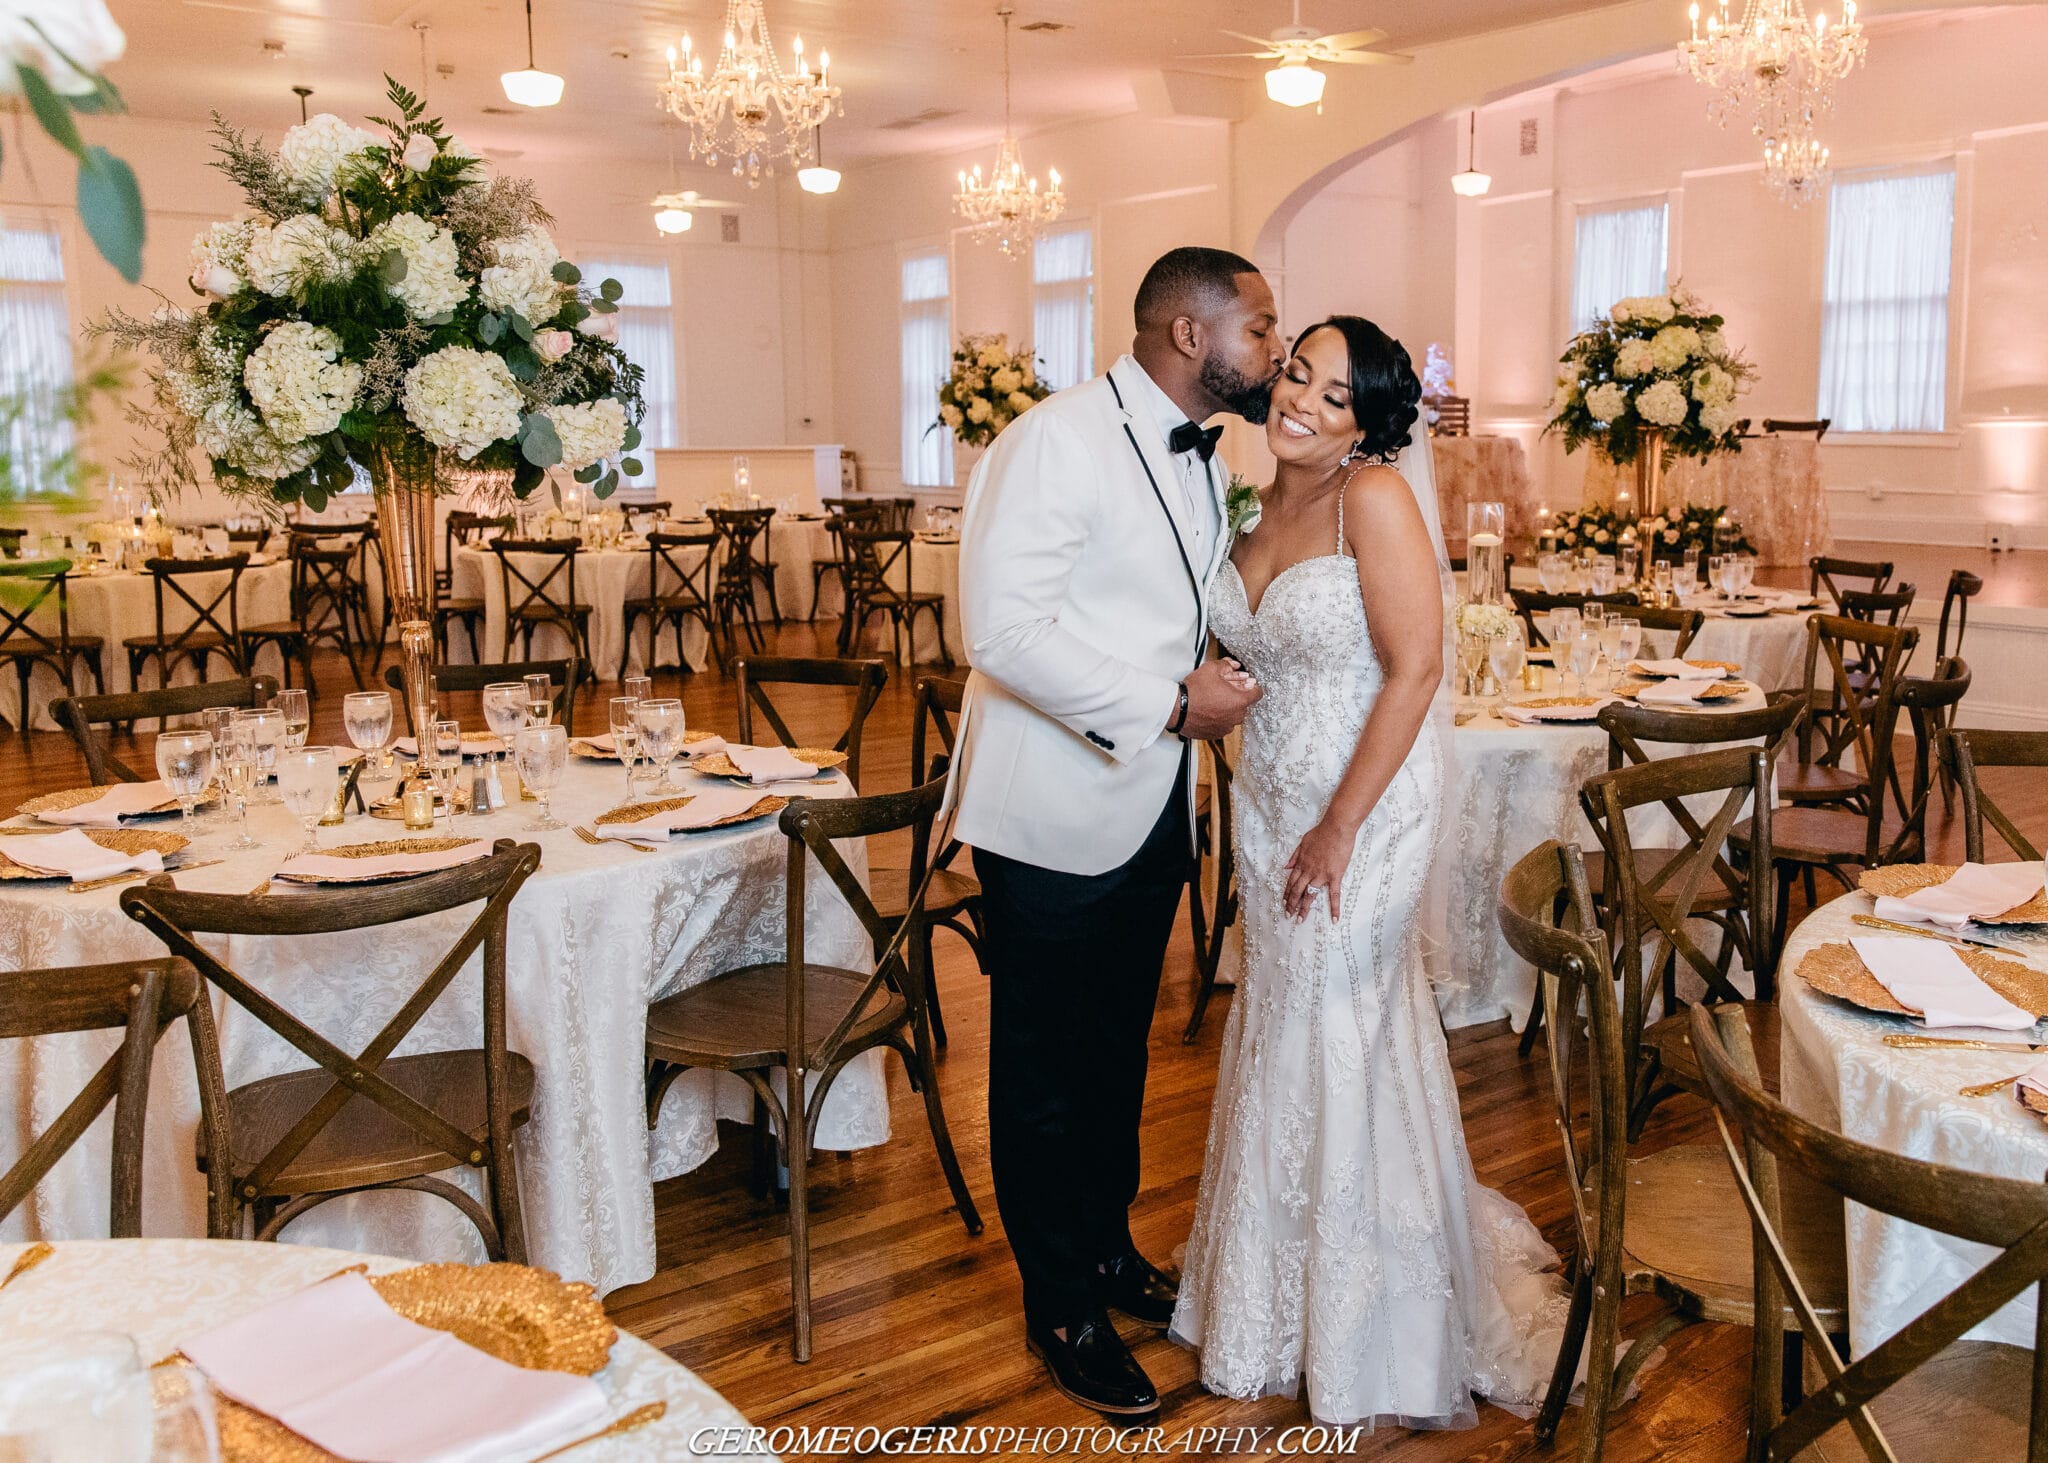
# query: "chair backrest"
{"points": [[321, 592], [1852, 673], [179, 917], [1654, 904], [1969, 749], [670, 552], [1786, 426], [739, 527], [37, 582], [1878, 606], [144, 996], [1453, 415], [1824, 571], [2009, 1215], [1682, 625], [567, 674], [1629, 726], [223, 598], [1530, 603], [939, 700], [250, 539], [1930, 703], [1963, 586], [865, 677], [463, 527], [80, 714], [550, 589]]}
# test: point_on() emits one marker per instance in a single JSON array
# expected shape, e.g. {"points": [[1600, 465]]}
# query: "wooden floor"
{"points": [[919, 1324]]}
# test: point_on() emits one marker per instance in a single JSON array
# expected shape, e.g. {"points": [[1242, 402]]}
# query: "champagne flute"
{"points": [[263, 728], [184, 760], [305, 779], [446, 767], [366, 716], [626, 734], [298, 716], [661, 733], [543, 752], [237, 762], [540, 699]]}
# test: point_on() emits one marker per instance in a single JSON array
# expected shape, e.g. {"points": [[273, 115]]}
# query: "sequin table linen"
{"points": [[1483, 470], [1772, 488]]}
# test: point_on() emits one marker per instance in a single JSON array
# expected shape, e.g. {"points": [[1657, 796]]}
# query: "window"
{"points": [[1619, 253], [1884, 323], [36, 367], [1063, 307], [647, 335], [927, 360]]}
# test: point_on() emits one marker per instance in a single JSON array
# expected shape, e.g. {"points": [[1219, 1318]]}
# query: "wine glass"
{"points": [[540, 699], [543, 752], [1585, 657], [184, 760], [298, 716], [446, 767], [505, 709], [1550, 570], [305, 779], [661, 734], [1507, 654], [626, 734], [1661, 582], [366, 716], [236, 762], [1717, 565], [263, 728]]}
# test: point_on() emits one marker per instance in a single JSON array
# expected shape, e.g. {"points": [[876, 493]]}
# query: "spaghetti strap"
{"points": [[1342, 489]]}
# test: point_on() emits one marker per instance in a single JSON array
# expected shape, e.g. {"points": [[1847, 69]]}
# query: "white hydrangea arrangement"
{"points": [[382, 292], [1655, 362], [1486, 621], [990, 387]]}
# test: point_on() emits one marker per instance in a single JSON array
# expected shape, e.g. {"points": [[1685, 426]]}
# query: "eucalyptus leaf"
{"points": [[521, 328], [314, 497], [612, 290], [573, 313], [51, 110], [392, 267], [590, 472], [110, 204], [522, 362], [538, 443], [567, 273], [632, 440], [526, 477], [606, 486], [604, 307], [489, 328], [630, 466]]}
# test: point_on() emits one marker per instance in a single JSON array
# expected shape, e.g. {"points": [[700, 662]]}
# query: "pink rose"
{"points": [[552, 345], [604, 327]]}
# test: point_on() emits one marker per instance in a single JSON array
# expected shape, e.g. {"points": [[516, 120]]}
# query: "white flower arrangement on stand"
{"points": [[1655, 363], [991, 386]]}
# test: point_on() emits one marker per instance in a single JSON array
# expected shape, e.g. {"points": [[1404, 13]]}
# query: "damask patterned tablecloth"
{"points": [[1483, 470], [1837, 1071], [164, 1291], [1772, 488], [595, 936]]}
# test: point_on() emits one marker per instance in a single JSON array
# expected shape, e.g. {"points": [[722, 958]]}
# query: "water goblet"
{"points": [[1585, 657], [1717, 566], [298, 715], [305, 779], [640, 688], [1745, 572], [626, 733], [1603, 575], [236, 761], [505, 710], [1692, 563], [1564, 627], [540, 699], [1506, 655], [263, 728], [184, 760], [446, 767], [543, 752], [1630, 643], [1550, 572], [1592, 614], [661, 735], [1626, 563], [366, 717]]}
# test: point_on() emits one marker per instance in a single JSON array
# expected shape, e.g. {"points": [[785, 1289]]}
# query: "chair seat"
{"points": [[1971, 1401], [198, 640], [1815, 783], [1714, 892], [549, 612], [739, 1020], [1821, 835], [365, 1144], [1677, 1063], [664, 604], [1684, 1227], [22, 645], [449, 606], [273, 630], [949, 891]]}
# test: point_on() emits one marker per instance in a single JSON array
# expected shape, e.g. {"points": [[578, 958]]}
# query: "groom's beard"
{"points": [[1241, 395]]}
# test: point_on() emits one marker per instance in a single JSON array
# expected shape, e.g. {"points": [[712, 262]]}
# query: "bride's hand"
{"points": [[1319, 862]]}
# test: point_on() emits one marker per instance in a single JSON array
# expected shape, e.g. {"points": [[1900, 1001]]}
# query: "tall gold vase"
{"points": [[402, 478], [1650, 472]]}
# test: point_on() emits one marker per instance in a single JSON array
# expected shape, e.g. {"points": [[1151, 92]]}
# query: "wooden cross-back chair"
{"points": [[1786, 426], [1929, 703], [323, 606], [143, 996], [80, 714], [366, 1119], [879, 558], [1529, 603], [567, 674], [1682, 625], [27, 645], [1851, 681], [1668, 1223], [534, 599], [354, 581], [809, 1019], [1923, 1392], [1212, 881], [866, 678], [1655, 904], [845, 513], [215, 627], [1963, 586], [732, 596], [1826, 572], [1968, 750], [677, 593]]}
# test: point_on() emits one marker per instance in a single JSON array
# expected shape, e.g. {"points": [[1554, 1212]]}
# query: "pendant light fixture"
{"points": [[531, 87], [1471, 183], [817, 178]]}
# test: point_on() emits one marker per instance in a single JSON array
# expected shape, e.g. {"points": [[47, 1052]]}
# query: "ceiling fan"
{"points": [[674, 212], [1294, 80]]}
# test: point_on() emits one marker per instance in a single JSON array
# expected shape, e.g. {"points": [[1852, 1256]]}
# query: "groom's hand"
{"points": [[1220, 692]]}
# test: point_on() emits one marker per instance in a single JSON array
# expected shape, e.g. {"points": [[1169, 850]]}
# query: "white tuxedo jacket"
{"points": [[1083, 603]]}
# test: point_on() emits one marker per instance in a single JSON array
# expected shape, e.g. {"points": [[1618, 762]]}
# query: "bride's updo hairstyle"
{"points": [[1384, 388]]}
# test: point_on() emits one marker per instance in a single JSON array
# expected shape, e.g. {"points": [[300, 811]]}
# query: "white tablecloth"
{"points": [[1771, 487], [162, 1291], [1771, 650], [121, 604], [596, 935], [1837, 1071], [934, 569]]}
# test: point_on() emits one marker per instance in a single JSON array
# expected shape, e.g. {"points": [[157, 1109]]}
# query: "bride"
{"points": [[1340, 1234]]}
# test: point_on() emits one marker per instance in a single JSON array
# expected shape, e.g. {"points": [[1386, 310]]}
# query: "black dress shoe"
{"points": [[1094, 1367], [1136, 1288]]}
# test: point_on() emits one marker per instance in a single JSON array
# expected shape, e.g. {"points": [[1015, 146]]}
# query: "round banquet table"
{"points": [[1836, 1070], [164, 1291], [120, 603], [1772, 487], [595, 935]]}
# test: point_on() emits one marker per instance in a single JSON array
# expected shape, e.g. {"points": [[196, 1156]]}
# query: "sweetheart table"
{"points": [[596, 935]]}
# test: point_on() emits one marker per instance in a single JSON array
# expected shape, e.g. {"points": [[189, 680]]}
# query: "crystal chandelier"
{"points": [[1781, 69], [1796, 167], [748, 109], [1009, 208]]}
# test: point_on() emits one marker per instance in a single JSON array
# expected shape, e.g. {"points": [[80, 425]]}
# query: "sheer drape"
{"points": [[927, 361], [35, 363], [1884, 327], [1063, 307], [647, 336], [1618, 252]]}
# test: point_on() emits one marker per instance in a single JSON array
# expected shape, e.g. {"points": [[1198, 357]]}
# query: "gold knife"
{"points": [[1959, 1043], [133, 874], [27, 1260], [1871, 921]]}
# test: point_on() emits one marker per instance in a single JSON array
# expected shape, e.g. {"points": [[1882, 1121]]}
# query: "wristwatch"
{"points": [[1180, 711]]}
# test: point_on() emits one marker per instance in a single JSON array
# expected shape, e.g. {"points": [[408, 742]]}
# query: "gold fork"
{"points": [[595, 842], [638, 1417], [1988, 1089], [27, 1260]]}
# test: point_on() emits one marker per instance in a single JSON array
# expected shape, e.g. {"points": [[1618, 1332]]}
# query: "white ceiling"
{"points": [[895, 59]]}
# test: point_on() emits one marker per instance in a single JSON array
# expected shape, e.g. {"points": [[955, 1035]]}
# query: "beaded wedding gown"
{"points": [[1340, 1234]]}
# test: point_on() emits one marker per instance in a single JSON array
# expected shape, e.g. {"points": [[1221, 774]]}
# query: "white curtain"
{"points": [[1884, 327], [1618, 252], [647, 336], [35, 363], [927, 361], [1063, 307]]}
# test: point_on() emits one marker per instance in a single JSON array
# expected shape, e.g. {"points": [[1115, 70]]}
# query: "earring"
{"points": [[1356, 451]]}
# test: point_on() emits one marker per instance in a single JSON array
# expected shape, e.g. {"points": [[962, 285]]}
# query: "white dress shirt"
{"points": [[1198, 495]]}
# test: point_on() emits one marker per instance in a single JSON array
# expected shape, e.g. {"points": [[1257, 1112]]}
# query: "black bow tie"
{"points": [[1187, 437]]}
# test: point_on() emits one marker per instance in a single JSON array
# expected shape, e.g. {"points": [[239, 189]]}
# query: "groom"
{"points": [[1093, 529]]}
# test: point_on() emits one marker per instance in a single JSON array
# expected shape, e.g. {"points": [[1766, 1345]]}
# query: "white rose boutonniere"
{"points": [[1241, 506]]}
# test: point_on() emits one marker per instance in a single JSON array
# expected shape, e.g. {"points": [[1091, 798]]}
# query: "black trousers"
{"points": [[1073, 976]]}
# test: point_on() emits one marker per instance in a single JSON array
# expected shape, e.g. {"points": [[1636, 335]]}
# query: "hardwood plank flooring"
{"points": [[916, 1323]]}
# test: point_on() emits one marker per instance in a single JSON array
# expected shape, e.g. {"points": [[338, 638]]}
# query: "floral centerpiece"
{"points": [[1660, 536], [990, 387], [1656, 367]]}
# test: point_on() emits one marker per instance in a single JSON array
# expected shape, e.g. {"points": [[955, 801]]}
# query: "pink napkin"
{"points": [[1929, 978], [764, 765], [122, 800], [1974, 890], [706, 806], [74, 855], [1678, 692], [339, 1367], [329, 865], [1684, 669]]}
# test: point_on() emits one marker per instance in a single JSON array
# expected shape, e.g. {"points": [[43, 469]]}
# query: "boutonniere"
{"points": [[1241, 506]]}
